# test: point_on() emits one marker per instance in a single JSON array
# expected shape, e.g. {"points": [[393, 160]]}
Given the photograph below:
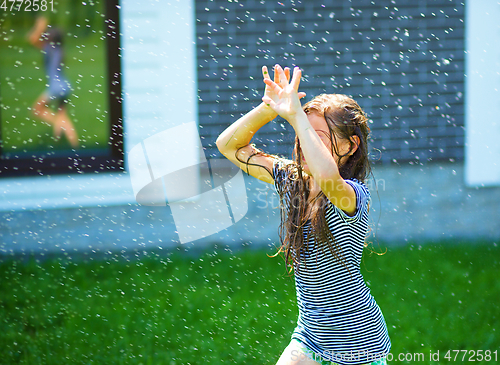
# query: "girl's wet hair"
{"points": [[345, 119]]}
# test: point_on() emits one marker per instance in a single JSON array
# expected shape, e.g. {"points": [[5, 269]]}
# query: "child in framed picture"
{"points": [[50, 42]]}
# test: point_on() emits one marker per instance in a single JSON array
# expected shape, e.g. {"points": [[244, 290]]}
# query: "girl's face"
{"points": [[340, 146]]}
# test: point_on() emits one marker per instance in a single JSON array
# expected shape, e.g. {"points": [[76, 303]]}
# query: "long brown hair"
{"points": [[345, 119]]}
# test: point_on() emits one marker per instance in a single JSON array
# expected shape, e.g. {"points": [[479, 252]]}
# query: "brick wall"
{"points": [[403, 61]]}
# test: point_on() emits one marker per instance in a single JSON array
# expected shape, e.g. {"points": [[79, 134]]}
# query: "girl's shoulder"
{"points": [[362, 203], [363, 196], [358, 186]]}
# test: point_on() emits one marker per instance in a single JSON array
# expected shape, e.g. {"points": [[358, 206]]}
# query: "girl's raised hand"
{"points": [[282, 95], [265, 74]]}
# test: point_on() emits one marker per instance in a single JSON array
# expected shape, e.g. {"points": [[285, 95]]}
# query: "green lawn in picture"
{"points": [[23, 79], [236, 307]]}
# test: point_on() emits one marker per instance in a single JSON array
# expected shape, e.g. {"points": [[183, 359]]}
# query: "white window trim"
{"points": [[482, 88]]}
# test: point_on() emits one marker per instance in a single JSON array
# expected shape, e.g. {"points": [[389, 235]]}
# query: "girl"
{"points": [[324, 205], [59, 89]]}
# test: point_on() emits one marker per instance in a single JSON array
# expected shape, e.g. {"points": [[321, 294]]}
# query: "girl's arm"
{"points": [[36, 33], [284, 100], [234, 142]]}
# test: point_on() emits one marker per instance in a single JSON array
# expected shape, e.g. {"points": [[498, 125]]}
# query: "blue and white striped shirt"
{"points": [[338, 317]]}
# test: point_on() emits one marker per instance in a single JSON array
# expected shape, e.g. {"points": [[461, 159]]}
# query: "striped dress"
{"points": [[338, 317]]}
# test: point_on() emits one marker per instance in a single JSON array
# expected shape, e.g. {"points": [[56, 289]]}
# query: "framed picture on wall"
{"points": [[60, 88]]}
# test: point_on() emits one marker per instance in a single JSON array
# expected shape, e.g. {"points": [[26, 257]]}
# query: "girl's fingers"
{"points": [[276, 76], [265, 73], [297, 73], [282, 79], [274, 86], [267, 79], [269, 82], [287, 74], [281, 74]]}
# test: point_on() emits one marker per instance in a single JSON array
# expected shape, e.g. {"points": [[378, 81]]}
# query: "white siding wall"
{"points": [[482, 109]]}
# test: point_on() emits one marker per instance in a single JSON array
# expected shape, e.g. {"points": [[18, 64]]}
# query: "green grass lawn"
{"points": [[233, 308]]}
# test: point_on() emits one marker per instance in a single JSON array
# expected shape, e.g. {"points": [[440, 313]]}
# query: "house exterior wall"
{"points": [[404, 64]]}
